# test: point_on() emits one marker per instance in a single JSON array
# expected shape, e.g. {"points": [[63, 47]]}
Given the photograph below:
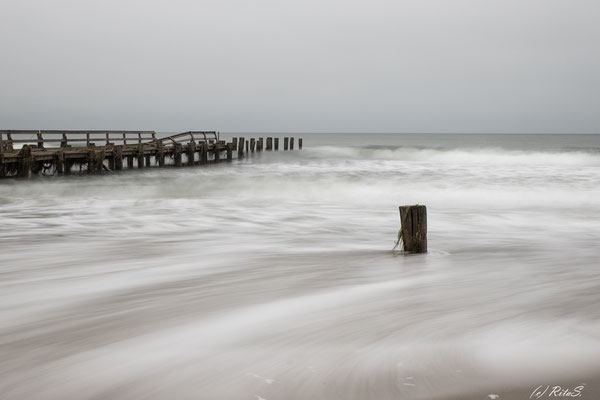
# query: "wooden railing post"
{"points": [[8, 146]]}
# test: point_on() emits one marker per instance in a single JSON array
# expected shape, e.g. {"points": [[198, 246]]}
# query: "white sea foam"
{"points": [[274, 276]]}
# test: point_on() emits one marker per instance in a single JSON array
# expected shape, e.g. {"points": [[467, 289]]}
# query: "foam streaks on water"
{"points": [[273, 277]]}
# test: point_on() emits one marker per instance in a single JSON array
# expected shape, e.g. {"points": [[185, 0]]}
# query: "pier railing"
{"points": [[186, 137], [61, 138]]}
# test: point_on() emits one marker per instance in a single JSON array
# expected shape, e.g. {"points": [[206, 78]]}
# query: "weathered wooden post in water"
{"points": [[241, 148], [292, 143], [269, 143], [276, 143], [285, 143], [413, 229], [300, 144]]}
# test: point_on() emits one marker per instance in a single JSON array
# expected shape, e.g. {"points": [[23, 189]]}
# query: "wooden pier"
{"points": [[31, 152]]}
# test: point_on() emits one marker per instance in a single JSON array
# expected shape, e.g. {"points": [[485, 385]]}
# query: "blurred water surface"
{"points": [[273, 277]]}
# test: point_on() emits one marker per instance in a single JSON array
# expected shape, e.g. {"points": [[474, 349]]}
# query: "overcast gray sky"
{"points": [[310, 65]]}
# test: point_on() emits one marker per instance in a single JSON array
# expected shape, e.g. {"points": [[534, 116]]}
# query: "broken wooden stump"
{"points": [[413, 229]]}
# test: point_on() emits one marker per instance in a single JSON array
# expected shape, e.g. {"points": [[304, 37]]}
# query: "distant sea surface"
{"points": [[273, 277]]}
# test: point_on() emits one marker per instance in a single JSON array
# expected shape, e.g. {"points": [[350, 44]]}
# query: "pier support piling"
{"points": [[118, 156], [217, 151], [91, 161], [140, 155], [160, 155], [178, 149], [191, 150], [25, 161], [59, 162]]}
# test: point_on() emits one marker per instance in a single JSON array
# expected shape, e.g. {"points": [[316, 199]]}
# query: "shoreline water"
{"points": [[212, 282]]}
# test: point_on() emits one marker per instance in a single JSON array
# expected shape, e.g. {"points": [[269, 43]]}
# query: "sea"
{"points": [[274, 277]]}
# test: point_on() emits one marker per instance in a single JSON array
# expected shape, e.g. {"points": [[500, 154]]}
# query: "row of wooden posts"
{"points": [[33, 159]]}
